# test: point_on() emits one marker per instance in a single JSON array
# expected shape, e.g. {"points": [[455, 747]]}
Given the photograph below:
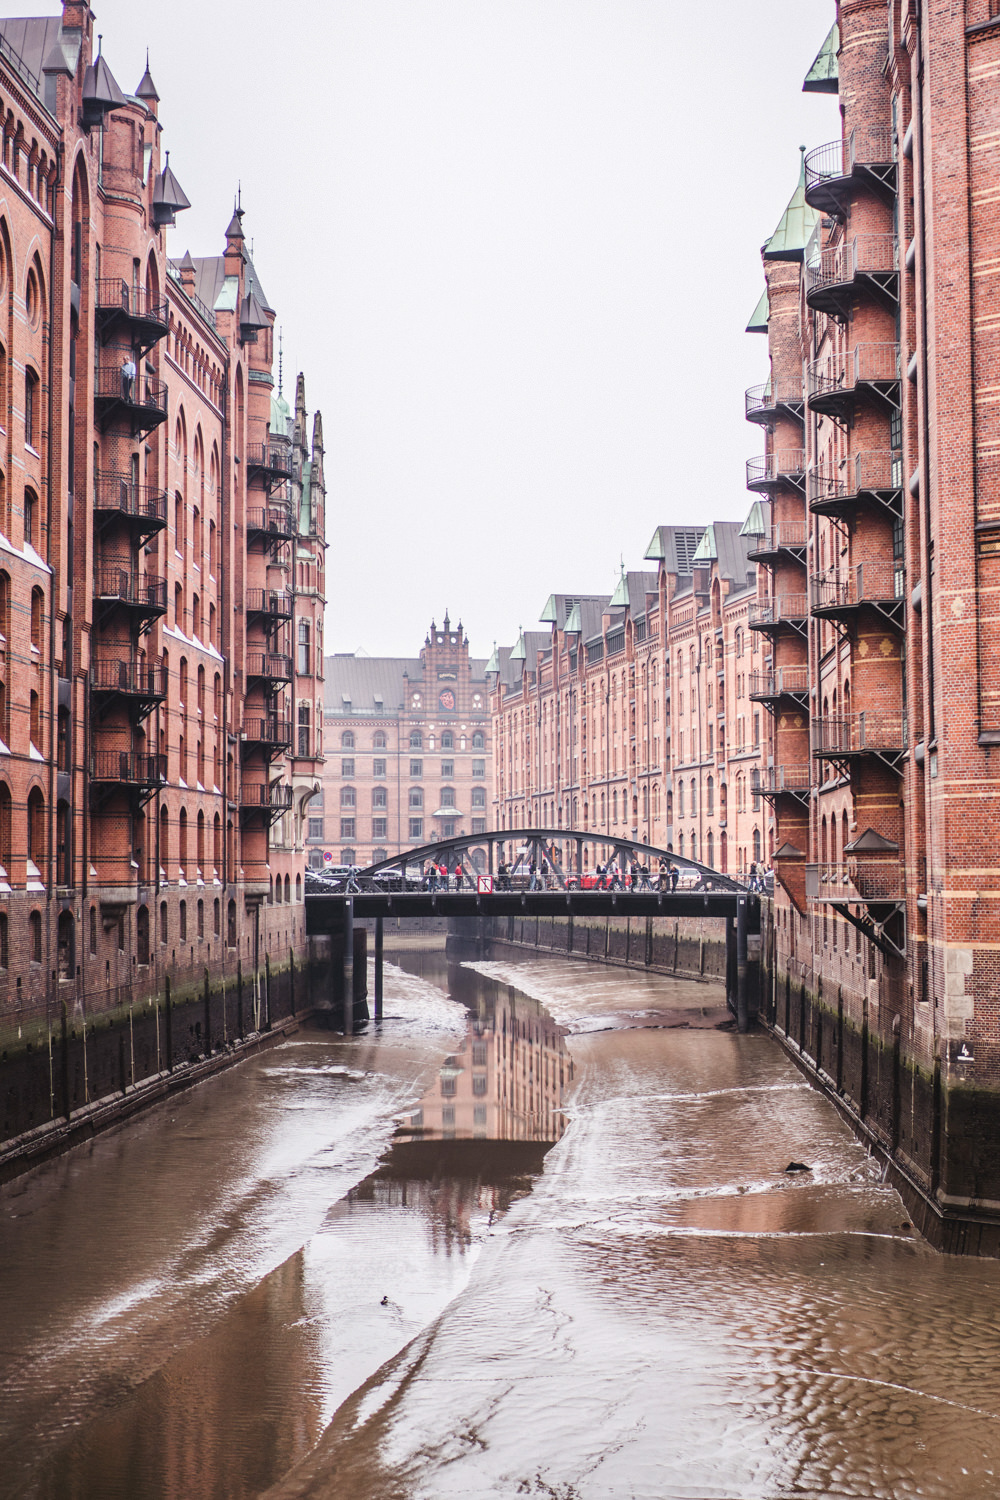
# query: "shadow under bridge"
{"points": [[526, 872]]}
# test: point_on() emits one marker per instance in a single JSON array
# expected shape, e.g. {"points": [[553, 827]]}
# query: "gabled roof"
{"points": [[871, 842], [756, 522], [32, 39], [760, 315], [355, 683], [559, 608], [706, 550], [210, 283], [824, 75], [795, 227], [675, 547]]}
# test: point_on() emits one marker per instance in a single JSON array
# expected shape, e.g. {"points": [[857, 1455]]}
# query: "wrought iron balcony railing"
{"points": [[777, 781], [269, 458], [791, 682], [115, 296], [268, 730], [868, 153], [769, 470], [782, 536], [139, 502], [835, 380], [139, 679], [270, 666], [276, 797], [275, 603], [870, 476], [270, 521], [774, 398], [786, 609], [879, 584], [136, 590], [129, 767], [865, 733], [860, 880], [832, 280]]}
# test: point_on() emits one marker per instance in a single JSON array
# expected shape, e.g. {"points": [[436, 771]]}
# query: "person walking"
{"points": [[533, 872], [675, 875], [458, 876], [664, 873]]}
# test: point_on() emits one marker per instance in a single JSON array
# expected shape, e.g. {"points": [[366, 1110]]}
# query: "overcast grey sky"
{"points": [[513, 244]]}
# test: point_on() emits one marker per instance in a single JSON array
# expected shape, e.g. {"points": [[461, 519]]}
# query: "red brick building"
{"points": [[881, 540], [161, 566], [631, 715], [409, 756]]}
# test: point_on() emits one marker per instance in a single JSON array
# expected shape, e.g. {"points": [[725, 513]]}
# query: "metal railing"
{"points": [[866, 146], [787, 607], [268, 731], [865, 254], [277, 796], [271, 457], [271, 665], [792, 680], [271, 520], [775, 779], [115, 295], [146, 679], [857, 880], [141, 391], [770, 468], [130, 588], [771, 395], [788, 536], [842, 370], [855, 734], [876, 471], [117, 492], [128, 766], [867, 583], [269, 602]]}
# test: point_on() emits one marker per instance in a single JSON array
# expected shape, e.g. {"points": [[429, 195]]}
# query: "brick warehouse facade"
{"points": [[631, 714], [409, 754], [880, 536], [161, 595]]}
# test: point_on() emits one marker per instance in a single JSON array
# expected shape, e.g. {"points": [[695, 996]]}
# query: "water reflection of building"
{"points": [[505, 1082]]}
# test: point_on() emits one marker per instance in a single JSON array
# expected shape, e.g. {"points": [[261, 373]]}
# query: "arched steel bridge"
{"points": [[556, 852]]}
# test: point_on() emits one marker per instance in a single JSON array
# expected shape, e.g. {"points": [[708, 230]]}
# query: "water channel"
{"points": [[534, 1236]]}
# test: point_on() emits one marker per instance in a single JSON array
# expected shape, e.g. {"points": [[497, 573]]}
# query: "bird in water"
{"points": [[384, 1302]]}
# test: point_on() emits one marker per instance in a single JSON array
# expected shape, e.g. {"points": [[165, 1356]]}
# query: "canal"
{"points": [[535, 1236]]}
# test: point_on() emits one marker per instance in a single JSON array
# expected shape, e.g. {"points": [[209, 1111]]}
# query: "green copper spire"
{"points": [[824, 75], [757, 323], [796, 224]]}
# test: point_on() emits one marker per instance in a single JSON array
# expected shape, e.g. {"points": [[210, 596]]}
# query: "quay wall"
{"points": [[687, 947], [69, 1074]]}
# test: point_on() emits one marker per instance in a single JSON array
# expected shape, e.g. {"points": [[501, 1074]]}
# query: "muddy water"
{"points": [[535, 1237]]}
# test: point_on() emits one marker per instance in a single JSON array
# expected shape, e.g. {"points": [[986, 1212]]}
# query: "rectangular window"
{"points": [[380, 828], [416, 768], [347, 828], [479, 1084], [416, 828], [378, 769], [347, 768], [316, 828], [448, 768], [479, 825], [479, 768]]}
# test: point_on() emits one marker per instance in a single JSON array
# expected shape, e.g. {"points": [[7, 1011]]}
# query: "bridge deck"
{"points": [[324, 912]]}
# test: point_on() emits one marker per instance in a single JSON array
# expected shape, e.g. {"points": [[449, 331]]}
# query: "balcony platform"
{"points": [[851, 738], [867, 264], [771, 471], [844, 378], [836, 172], [766, 403], [869, 480]]}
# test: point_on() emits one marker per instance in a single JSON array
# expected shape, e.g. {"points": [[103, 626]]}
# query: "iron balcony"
{"points": [[144, 681], [859, 881], [784, 538], [144, 315], [775, 398], [268, 667], [270, 523], [141, 400], [879, 585], [276, 797], [849, 737], [869, 478], [143, 595], [770, 471], [781, 682], [868, 262], [771, 614], [268, 461], [142, 505], [843, 377], [785, 781], [129, 768], [267, 732], [269, 604], [865, 158]]}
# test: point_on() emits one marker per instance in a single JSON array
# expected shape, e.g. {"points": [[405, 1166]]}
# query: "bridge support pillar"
{"points": [[731, 964], [742, 1001], [378, 968], [347, 971]]}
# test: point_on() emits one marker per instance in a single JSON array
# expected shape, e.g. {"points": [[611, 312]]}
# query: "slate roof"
{"points": [[32, 39], [675, 546], [210, 276], [362, 680]]}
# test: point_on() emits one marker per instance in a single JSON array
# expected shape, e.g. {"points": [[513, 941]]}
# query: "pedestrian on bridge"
{"points": [[664, 872], [533, 872], [458, 876], [675, 875]]}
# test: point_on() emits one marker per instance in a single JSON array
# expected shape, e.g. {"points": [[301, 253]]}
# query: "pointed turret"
{"points": [[101, 93], [317, 443], [188, 272], [169, 198], [796, 225], [147, 89]]}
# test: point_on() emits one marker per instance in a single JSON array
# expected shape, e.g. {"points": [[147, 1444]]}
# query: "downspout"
{"points": [[49, 463]]}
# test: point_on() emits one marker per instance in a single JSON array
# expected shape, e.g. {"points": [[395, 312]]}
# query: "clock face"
{"points": [[446, 701], [477, 700], [416, 700]]}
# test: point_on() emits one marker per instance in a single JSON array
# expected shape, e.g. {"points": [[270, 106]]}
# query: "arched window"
{"points": [[182, 842], [416, 740], [37, 610], [347, 740], [217, 918], [447, 740], [164, 929], [302, 664], [448, 796], [710, 849], [201, 841], [64, 863], [164, 844], [142, 935], [298, 887], [756, 845], [380, 797], [379, 742], [710, 798], [416, 797], [478, 740], [288, 889], [35, 930], [723, 852], [36, 827], [231, 925], [680, 799], [348, 797], [723, 799]]}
